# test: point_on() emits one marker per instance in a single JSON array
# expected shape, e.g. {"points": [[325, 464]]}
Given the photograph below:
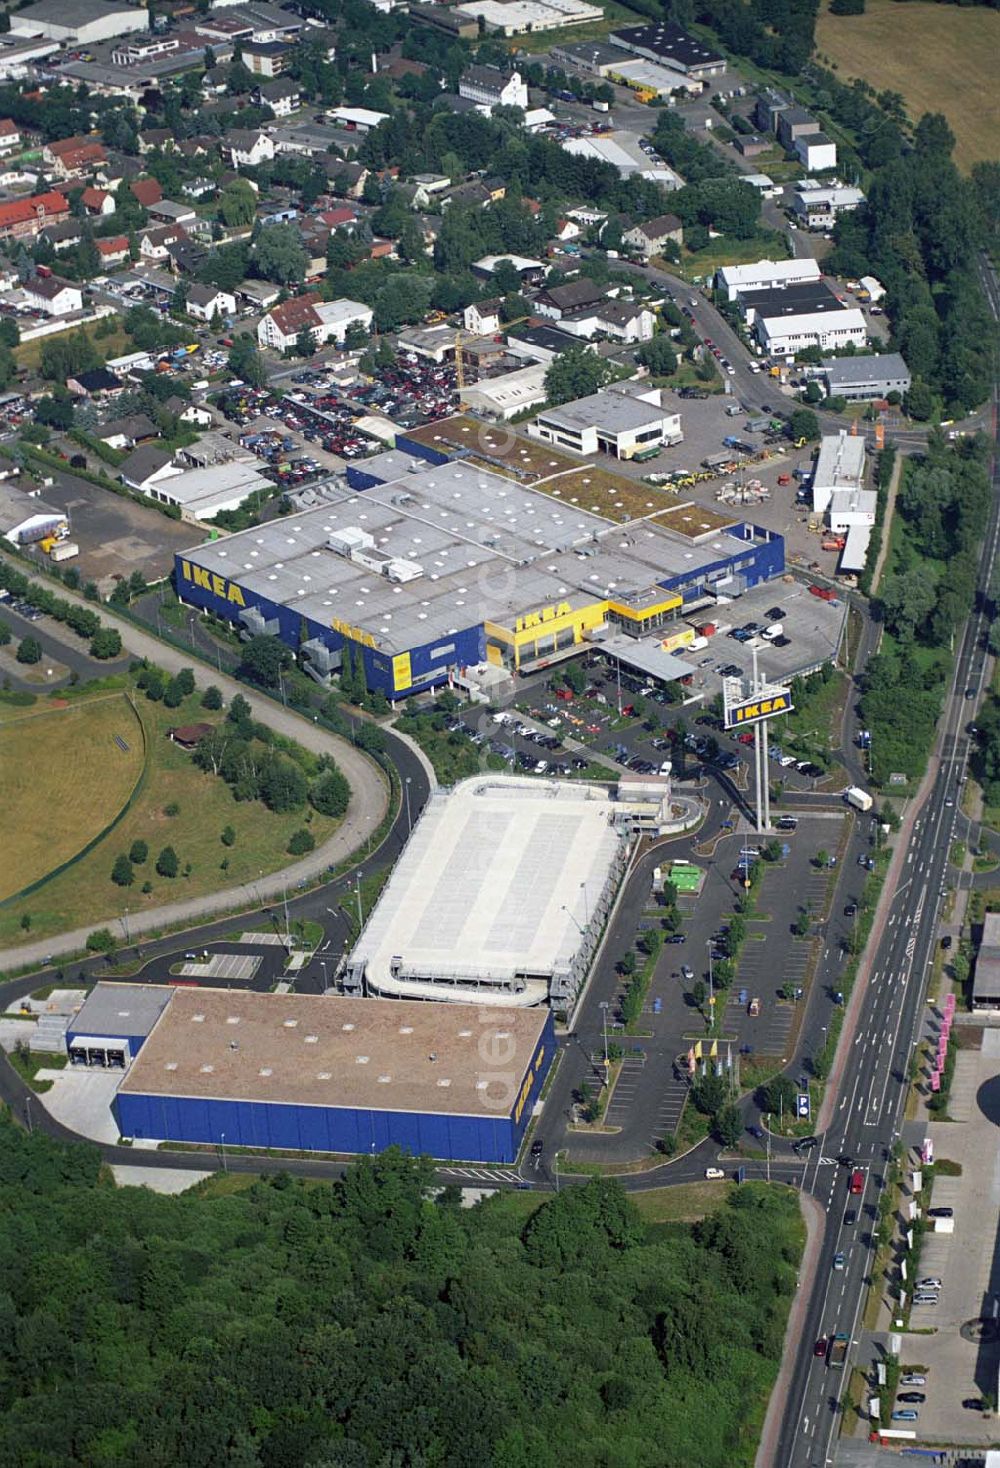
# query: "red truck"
{"points": [[857, 1181]]}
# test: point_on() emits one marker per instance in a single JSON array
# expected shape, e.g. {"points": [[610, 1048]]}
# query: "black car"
{"points": [[851, 909], [676, 938], [940, 1213], [776, 614], [973, 1404], [851, 1216], [911, 1397], [810, 769], [537, 1147], [781, 641]]}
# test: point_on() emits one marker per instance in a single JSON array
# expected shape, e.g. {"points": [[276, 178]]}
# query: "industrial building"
{"points": [[113, 1023], [763, 275], [783, 333], [621, 149], [816, 152], [517, 17], [817, 206], [499, 898], [595, 57], [444, 568], [201, 494], [986, 979], [866, 376], [840, 466], [326, 1074], [799, 298], [79, 21], [617, 423], [673, 47]]}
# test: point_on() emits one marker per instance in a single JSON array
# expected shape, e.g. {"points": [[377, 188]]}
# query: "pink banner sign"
{"points": [[935, 1081]]}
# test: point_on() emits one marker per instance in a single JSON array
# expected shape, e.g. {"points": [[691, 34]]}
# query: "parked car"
{"points": [[906, 1415], [940, 1213], [714, 1172], [930, 1283], [911, 1397], [912, 1378], [687, 974]]}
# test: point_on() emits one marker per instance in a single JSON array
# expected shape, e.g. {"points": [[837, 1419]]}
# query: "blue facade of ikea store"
{"points": [[429, 662], [261, 1124]]}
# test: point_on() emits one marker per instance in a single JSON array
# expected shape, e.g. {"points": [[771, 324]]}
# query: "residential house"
{"points": [[325, 320], [428, 187], [52, 296], [125, 433], [267, 58], [817, 207], [489, 87], [114, 250], [205, 302], [62, 236], [189, 412], [346, 179], [146, 467], [185, 256], [259, 294], [70, 157], [151, 138], [816, 152], [96, 383], [283, 96], [651, 236], [148, 191], [153, 240], [98, 202], [248, 148], [483, 317], [626, 321], [10, 136]]}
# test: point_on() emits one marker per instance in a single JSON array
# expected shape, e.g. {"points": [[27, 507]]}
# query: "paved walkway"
{"points": [[890, 510], [367, 806]]}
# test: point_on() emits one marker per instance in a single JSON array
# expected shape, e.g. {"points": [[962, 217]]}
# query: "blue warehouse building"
{"points": [[326, 1074], [110, 1027], [428, 564]]}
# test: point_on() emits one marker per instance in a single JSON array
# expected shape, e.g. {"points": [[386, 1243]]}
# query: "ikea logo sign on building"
{"points": [[216, 585], [752, 710]]}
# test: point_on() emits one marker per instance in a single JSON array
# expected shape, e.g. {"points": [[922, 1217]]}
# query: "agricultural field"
{"points": [[940, 58], [64, 778], [178, 806]]}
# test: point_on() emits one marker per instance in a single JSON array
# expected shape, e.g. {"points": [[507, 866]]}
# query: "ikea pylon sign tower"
{"points": [[754, 705]]}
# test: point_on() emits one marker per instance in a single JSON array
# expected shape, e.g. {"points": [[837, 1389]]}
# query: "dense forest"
{"points": [[374, 1322]]}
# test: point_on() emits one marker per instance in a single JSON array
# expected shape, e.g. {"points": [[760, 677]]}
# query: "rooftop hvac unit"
{"points": [[399, 569], [349, 539]]}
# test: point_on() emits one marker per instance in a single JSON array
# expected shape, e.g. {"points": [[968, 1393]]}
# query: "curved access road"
{"points": [[366, 808]]}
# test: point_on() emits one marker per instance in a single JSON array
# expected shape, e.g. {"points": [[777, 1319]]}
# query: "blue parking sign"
{"points": [[802, 1108]]}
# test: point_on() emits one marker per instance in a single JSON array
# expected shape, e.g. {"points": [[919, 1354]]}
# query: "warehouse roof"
{"points": [[499, 879], [671, 44], [488, 548], [866, 367], [121, 1009], [841, 461], [71, 13], [320, 1050], [609, 412], [798, 298]]}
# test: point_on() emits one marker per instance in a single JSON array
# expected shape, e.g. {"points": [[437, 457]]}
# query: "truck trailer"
{"points": [[858, 798], [837, 1354]]}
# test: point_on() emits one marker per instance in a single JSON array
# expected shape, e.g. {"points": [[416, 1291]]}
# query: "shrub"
{"points": [[300, 842], [330, 793], [121, 873], [29, 650], [211, 698], [138, 852], [166, 863], [228, 837]]}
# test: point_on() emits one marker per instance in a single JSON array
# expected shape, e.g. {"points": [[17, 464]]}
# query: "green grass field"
{"points": [[85, 896], [941, 58], [62, 779]]}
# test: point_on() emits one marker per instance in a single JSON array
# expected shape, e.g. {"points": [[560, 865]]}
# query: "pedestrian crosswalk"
{"points": [[483, 1174]]}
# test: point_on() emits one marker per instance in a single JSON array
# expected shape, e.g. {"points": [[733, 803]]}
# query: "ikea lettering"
{"points": [[760, 708], [209, 581], [544, 614], [354, 634]]}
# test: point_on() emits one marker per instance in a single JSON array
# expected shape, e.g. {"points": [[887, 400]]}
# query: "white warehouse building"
{"points": [[840, 467], [80, 21], [764, 275], [499, 898], [621, 423]]}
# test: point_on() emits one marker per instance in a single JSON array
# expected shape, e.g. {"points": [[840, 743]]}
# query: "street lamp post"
{"points": [[604, 1019], [222, 1139], [409, 821]]}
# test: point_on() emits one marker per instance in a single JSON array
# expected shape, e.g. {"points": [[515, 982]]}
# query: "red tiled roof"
{"points": [[292, 315], [40, 206], [9, 129], [114, 246], [147, 191], [93, 198]]}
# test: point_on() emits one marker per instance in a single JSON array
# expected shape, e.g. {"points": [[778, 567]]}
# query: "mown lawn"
{"points": [[85, 896]]}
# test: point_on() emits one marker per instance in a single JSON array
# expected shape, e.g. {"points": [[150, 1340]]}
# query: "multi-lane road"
{"points": [[869, 1105]]}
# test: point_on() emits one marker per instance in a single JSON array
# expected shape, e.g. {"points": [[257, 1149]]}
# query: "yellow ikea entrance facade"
{"points": [[544, 631]]}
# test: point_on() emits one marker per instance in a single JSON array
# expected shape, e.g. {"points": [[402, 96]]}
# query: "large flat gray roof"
{"points": [[121, 1009], [612, 412], [868, 367], [490, 549], [323, 1050], [499, 879]]}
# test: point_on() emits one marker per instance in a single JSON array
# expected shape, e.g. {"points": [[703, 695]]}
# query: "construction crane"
{"points": [[460, 337]]}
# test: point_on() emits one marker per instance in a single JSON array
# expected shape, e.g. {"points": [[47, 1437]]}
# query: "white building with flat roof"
{"points": [[763, 274], [508, 395], [784, 336], [201, 494], [617, 423], [499, 897], [840, 466], [817, 205]]}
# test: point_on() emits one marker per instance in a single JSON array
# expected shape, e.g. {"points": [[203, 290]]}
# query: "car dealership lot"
{"points": [[962, 1355]]}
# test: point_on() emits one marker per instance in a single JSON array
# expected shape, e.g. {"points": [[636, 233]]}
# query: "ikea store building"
{"points": [[428, 565]]}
